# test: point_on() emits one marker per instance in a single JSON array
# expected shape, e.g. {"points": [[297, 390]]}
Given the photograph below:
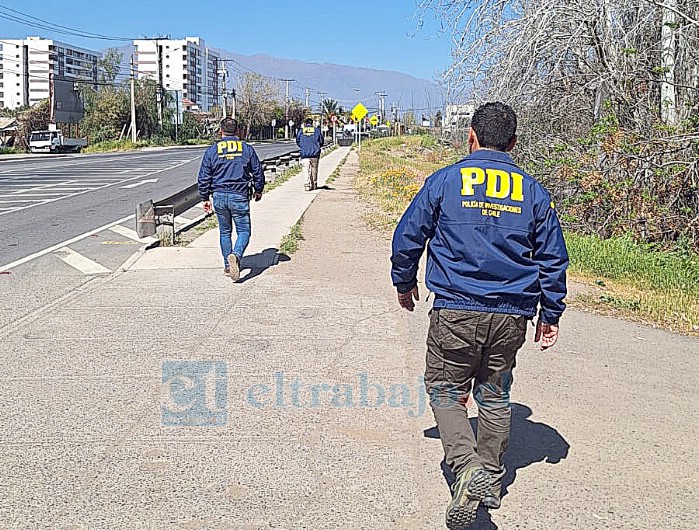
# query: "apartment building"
{"points": [[28, 65], [185, 66]]}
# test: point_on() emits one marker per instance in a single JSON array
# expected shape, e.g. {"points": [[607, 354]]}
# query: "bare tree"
{"points": [[257, 98], [606, 91]]}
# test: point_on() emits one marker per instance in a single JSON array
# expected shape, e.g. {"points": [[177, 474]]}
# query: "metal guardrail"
{"points": [[150, 215]]}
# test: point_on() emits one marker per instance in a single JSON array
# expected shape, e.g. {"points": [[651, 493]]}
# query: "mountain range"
{"points": [[337, 81]]}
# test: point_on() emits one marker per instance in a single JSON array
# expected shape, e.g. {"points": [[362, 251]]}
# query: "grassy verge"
{"points": [[9, 151], [114, 146], [290, 242], [624, 278], [634, 281]]}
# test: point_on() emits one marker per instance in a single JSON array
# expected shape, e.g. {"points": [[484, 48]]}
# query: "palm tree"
{"points": [[330, 109]]}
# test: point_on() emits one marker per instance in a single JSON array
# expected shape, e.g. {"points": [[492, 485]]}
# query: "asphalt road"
{"points": [[47, 201]]}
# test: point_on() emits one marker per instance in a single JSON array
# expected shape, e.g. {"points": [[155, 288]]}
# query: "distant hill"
{"points": [[337, 81]]}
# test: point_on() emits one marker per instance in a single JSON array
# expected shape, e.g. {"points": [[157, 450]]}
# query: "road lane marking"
{"points": [[131, 234], [137, 184], [63, 244], [170, 168], [80, 262]]}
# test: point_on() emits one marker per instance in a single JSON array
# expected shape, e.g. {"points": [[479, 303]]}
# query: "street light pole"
{"points": [[133, 102], [286, 109]]}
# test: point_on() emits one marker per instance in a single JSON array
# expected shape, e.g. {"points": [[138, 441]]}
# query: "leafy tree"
{"points": [[107, 114], [110, 65], [258, 97]]}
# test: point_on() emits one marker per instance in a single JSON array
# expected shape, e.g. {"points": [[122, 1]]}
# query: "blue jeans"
{"points": [[232, 208]]}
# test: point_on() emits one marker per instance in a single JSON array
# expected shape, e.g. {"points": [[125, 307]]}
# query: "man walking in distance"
{"points": [[310, 140], [496, 250], [232, 173]]}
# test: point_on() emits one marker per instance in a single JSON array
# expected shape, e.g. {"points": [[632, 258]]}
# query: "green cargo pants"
{"points": [[465, 346]]}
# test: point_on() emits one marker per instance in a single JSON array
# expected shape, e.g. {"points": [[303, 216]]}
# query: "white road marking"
{"points": [[63, 244], [21, 200], [137, 184], [35, 194], [80, 262], [169, 168], [131, 234]]}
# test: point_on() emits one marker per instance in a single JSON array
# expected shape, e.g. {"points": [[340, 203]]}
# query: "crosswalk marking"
{"points": [[131, 234], [80, 262]]}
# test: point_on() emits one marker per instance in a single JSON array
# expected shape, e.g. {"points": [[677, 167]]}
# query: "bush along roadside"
{"points": [[623, 278]]}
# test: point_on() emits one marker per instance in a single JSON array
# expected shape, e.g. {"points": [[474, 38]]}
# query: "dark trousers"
{"points": [[465, 349]]}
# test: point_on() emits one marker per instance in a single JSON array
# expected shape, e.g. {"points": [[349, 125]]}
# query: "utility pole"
{"points": [[225, 94], [133, 102], [177, 115], [321, 95], [159, 88], [286, 109], [308, 94]]}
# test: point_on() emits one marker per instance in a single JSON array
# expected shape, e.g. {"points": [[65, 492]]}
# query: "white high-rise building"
{"points": [[27, 66], [185, 66]]}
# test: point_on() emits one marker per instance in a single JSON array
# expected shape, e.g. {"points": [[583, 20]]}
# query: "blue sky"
{"points": [[370, 33]]}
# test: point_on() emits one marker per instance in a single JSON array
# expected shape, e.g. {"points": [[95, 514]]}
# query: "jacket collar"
{"points": [[489, 154], [230, 138]]}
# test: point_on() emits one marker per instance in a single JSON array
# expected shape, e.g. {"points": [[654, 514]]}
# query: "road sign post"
{"points": [[359, 112]]}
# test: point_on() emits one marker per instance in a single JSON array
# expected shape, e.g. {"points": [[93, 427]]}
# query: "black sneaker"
{"points": [[467, 493], [491, 501], [234, 265]]}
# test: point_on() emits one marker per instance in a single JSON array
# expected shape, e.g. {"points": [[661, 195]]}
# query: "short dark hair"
{"points": [[229, 125], [309, 121], [495, 125]]}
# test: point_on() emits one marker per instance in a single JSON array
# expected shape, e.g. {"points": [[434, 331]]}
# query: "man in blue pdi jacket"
{"points": [[495, 252], [232, 173], [310, 140]]}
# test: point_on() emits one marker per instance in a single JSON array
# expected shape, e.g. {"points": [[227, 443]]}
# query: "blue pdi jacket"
{"points": [[230, 166], [495, 243], [309, 140]]}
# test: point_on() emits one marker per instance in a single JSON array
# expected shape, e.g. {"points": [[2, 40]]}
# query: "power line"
{"points": [[39, 23]]}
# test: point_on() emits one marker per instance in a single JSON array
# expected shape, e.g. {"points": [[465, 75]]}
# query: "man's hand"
{"points": [[207, 207], [406, 300], [547, 334], [257, 196]]}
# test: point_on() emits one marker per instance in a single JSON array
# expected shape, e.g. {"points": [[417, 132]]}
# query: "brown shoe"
{"points": [[226, 272], [234, 264]]}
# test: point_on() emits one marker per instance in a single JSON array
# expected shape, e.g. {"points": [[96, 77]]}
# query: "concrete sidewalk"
{"points": [[172, 398], [271, 220]]}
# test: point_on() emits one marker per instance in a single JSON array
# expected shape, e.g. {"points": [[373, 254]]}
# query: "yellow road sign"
{"points": [[374, 120], [359, 112]]}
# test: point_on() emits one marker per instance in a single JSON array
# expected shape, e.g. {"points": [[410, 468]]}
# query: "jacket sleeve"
{"points": [[417, 225], [258, 174], [298, 137], [321, 137], [205, 177], [551, 255]]}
